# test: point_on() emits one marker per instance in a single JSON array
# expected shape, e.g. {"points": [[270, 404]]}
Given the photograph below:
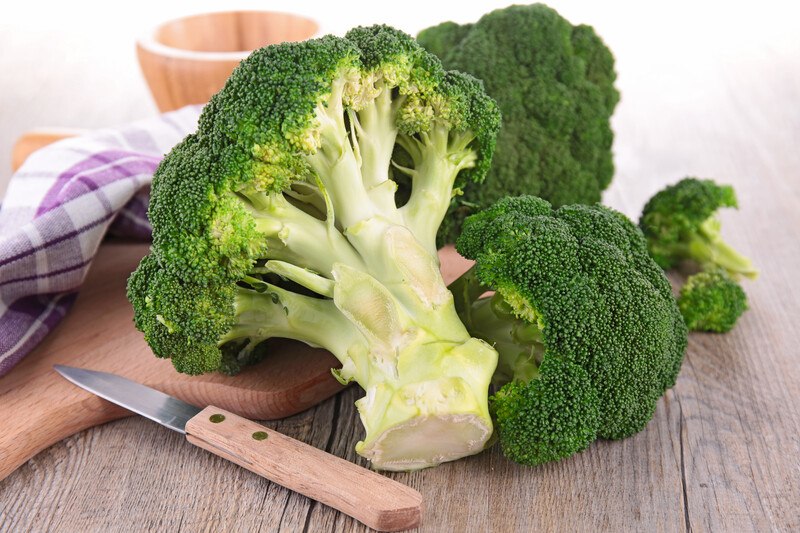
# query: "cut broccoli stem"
{"points": [[710, 251], [438, 158], [297, 237], [519, 344], [269, 311], [418, 363], [397, 334], [435, 410], [376, 132], [466, 290]]}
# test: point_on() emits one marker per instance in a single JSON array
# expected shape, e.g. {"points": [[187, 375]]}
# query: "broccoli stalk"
{"points": [[278, 219], [710, 251], [588, 333], [680, 224], [519, 344]]}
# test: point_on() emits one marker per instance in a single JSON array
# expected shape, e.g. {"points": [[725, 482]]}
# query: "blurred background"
{"points": [[73, 64]]}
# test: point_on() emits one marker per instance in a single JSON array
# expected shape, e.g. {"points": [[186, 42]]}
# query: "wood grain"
{"points": [[32, 140], [370, 498], [41, 408], [721, 453], [234, 31], [187, 60]]}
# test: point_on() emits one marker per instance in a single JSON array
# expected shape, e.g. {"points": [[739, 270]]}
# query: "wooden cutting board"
{"points": [[39, 407]]}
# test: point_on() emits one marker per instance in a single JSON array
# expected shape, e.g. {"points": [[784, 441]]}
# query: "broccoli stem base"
{"points": [[427, 441], [392, 324], [418, 420], [422, 372]]}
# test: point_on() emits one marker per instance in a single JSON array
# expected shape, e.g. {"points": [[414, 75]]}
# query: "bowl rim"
{"points": [[149, 43]]}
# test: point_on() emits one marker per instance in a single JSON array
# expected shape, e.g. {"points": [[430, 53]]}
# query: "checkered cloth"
{"points": [[58, 207]]}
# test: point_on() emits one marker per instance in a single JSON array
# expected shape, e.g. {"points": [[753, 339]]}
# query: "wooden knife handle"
{"points": [[377, 501]]}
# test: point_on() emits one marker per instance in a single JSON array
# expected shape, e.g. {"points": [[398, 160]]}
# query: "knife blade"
{"points": [[140, 399], [371, 498]]}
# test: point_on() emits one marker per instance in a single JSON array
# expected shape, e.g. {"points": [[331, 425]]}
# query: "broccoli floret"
{"points": [[549, 417], [554, 83], [711, 301], [680, 224], [278, 218], [588, 331]]}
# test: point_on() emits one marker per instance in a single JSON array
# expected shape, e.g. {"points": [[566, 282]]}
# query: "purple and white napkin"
{"points": [[57, 209]]}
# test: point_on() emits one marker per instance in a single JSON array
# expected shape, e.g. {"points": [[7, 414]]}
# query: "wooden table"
{"points": [[722, 452]]}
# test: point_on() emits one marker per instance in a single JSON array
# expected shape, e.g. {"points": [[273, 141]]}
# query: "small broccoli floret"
{"points": [[180, 320], [711, 301], [548, 418], [554, 83], [680, 224], [588, 333], [278, 218]]}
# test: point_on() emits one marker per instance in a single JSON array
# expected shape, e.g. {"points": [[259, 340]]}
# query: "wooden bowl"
{"points": [[186, 61]]}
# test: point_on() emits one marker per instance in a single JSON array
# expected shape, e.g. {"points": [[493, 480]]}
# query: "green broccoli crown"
{"points": [[201, 230], [279, 218], [679, 210], [712, 301], [680, 223], [554, 83], [258, 181], [582, 290]]}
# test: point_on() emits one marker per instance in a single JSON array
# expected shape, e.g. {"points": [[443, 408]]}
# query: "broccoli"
{"points": [[679, 223], [711, 301], [554, 83], [588, 332], [278, 218]]}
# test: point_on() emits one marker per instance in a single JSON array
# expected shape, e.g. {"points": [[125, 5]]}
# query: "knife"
{"points": [[375, 500]]}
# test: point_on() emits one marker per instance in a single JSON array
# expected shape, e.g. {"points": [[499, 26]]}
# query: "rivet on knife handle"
{"points": [[377, 501]]}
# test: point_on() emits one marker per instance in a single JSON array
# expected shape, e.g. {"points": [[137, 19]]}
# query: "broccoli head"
{"points": [[588, 332], [680, 224], [554, 83], [278, 218], [711, 301]]}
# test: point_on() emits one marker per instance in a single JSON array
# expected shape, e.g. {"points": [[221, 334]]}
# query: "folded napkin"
{"points": [[58, 207]]}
